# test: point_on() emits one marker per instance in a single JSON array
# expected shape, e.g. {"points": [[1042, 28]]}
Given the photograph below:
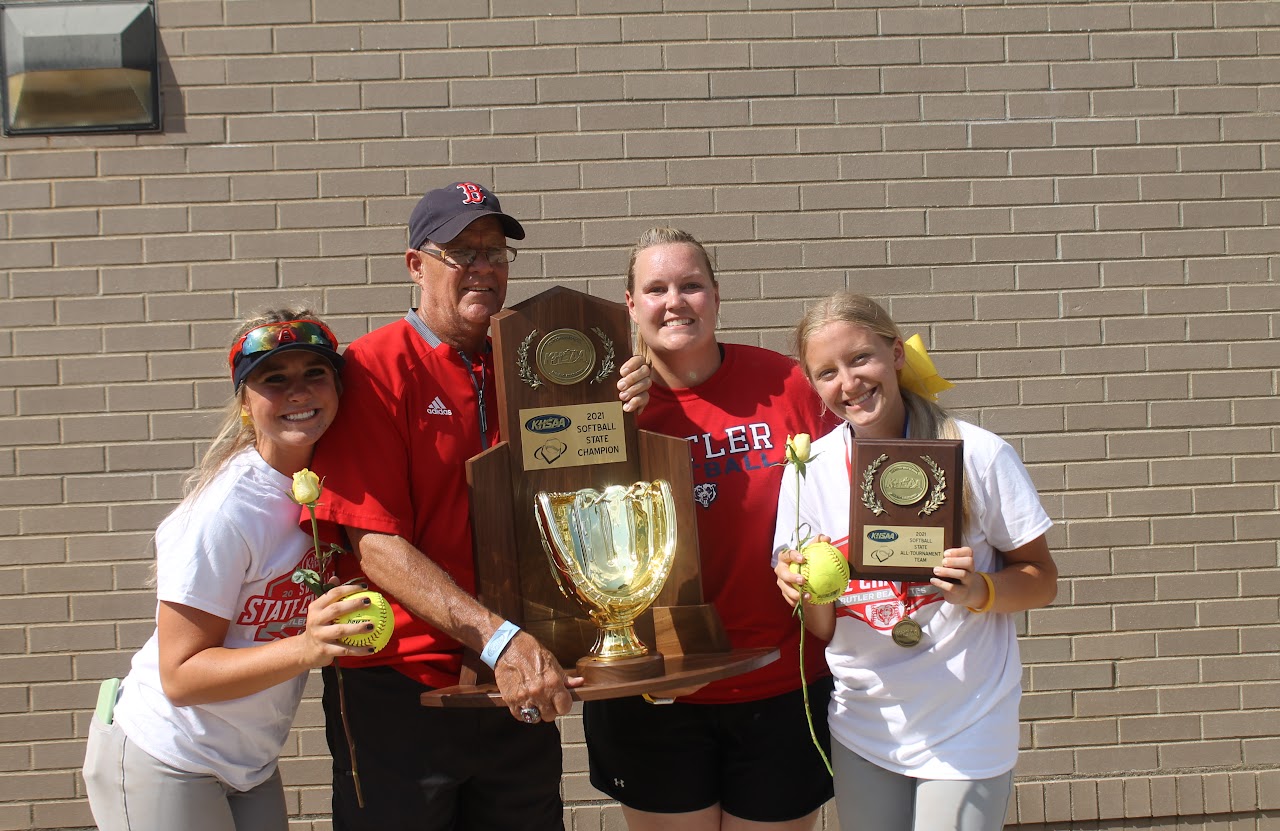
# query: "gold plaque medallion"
{"points": [[907, 632], [565, 356], [904, 483]]}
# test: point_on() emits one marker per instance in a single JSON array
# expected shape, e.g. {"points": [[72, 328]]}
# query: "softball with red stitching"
{"points": [[378, 612], [825, 572]]}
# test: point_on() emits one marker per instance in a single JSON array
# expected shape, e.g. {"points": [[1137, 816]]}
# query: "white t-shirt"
{"points": [[946, 708], [230, 551]]}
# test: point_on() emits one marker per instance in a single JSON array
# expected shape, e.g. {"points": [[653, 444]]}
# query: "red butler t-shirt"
{"points": [[737, 423], [394, 462]]}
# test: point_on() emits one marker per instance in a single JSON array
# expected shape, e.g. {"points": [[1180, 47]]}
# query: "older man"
{"points": [[419, 400]]}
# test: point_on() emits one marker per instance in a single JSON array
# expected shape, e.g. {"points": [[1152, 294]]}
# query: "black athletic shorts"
{"points": [[676, 758], [428, 768]]}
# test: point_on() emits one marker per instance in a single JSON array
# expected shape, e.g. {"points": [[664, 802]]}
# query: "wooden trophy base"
{"points": [[683, 673], [693, 651], [602, 671]]}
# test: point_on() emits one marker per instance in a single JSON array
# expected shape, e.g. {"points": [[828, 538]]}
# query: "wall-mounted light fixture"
{"points": [[79, 66]]}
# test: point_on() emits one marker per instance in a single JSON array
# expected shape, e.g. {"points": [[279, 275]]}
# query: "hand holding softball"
{"points": [[819, 573], [337, 623], [375, 619], [789, 581], [825, 572]]}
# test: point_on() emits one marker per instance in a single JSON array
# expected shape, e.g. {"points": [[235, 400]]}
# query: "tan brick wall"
{"points": [[1074, 202]]}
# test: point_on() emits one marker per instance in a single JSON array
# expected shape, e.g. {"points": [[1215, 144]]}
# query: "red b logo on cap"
{"points": [[471, 193]]}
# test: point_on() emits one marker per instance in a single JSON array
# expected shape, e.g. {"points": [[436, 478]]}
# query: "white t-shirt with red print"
{"points": [[230, 551], [946, 708]]}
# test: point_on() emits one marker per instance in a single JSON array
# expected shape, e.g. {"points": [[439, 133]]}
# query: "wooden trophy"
{"points": [[573, 470]]}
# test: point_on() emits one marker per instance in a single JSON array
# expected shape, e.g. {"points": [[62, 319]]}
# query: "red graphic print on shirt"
{"points": [[281, 611]]}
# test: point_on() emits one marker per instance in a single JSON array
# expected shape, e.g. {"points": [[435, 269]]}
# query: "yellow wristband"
{"points": [[991, 595]]}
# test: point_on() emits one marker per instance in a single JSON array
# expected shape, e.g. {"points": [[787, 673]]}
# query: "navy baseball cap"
{"points": [[444, 212]]}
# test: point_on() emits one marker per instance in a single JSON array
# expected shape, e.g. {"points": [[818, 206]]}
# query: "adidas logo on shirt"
{"points": [[438, 408]]}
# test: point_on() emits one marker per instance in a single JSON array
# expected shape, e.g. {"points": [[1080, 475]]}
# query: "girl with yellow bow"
{"points": [[924, 730]]}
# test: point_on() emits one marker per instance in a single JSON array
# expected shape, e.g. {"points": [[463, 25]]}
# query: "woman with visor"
{"points": [[192, 738]]}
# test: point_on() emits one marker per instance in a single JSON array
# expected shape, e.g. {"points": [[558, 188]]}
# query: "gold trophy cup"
{"points": [[611, 552]]}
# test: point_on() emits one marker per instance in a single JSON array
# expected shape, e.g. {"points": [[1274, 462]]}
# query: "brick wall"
{"points": [[1074, 202]]}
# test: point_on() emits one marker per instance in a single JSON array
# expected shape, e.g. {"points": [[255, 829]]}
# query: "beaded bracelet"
{"points": [[991, 595]]}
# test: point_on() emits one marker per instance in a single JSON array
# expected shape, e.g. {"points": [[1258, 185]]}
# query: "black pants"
{"points": [[428, 769]]}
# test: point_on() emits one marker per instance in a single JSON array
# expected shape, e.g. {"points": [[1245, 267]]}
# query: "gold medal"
{"points": [[565, 356], [907, 632], [904, 483]]}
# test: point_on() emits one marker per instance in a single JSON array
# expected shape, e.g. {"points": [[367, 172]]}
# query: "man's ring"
{"points": [[530, 715]]}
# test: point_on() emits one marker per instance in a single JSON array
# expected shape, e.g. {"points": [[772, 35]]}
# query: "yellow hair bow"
{"points": [[918, 374]]}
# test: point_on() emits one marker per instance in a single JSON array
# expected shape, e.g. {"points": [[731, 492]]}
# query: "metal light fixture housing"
{"points": [[79, 66]]}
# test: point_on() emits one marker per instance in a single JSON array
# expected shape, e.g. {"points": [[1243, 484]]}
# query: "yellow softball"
{"points": [[825, 572], [378, 612]]}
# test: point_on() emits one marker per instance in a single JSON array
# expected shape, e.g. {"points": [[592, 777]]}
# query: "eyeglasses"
{"points": [[268, 336], [463, 257]]}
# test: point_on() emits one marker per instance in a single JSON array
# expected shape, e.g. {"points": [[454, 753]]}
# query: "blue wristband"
{"points": [[498, 643]]}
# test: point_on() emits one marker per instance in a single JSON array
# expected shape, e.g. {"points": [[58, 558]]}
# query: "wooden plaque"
{"points": [[905, 509]]}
